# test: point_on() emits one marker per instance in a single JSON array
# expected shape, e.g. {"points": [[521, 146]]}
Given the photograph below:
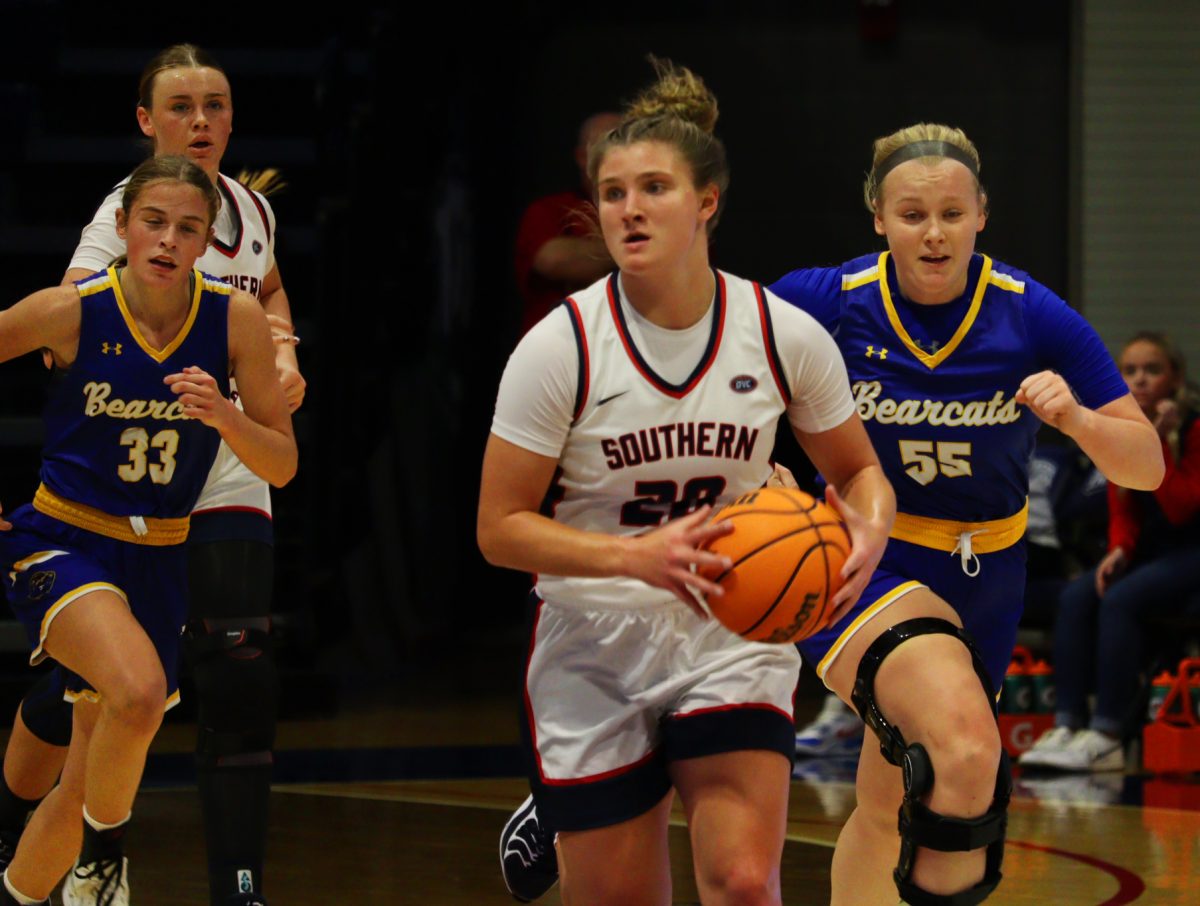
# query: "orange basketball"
{"points": [[787, 551]]}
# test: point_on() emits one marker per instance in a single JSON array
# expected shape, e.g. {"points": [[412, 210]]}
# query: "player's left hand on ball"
{"points": [[5, 525], [867, 541], [200, 396], [781, 477], [1049, 397]]}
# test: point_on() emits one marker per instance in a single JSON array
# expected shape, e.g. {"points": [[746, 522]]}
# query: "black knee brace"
{"points": [[236, 687], [919, 826], [44, 711]]}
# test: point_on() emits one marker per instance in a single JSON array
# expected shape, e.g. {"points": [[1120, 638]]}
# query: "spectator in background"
{"points": [[557, 250], [1151, 569], [1067, 515]]}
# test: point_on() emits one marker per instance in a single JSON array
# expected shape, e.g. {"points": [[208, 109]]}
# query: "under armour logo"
{"points": [[931, 347], [107, 347], [882, 353]]}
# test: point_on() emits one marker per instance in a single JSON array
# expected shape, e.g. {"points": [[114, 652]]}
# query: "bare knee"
{"points": [[966, 757], [745, 883], [136, 701]]}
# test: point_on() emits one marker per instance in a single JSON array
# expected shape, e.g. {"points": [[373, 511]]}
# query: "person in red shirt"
{"points": [[1152, 568], [558, 251]]}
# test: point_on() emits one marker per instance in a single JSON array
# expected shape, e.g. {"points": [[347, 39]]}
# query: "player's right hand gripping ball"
{"points": [[787, 550]]}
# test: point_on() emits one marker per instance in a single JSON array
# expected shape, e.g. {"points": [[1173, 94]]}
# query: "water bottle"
{"points": [[1016, 696], [1041, 679]]}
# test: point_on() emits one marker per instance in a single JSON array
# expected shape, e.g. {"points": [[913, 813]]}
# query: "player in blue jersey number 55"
{"points": [[953, 358]]}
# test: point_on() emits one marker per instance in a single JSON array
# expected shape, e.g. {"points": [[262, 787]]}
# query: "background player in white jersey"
{"points": [[185, 107], [618, 402], [95, 566]]}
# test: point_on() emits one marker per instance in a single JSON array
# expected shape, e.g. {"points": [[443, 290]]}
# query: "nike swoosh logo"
{"points": [[609, 399]]}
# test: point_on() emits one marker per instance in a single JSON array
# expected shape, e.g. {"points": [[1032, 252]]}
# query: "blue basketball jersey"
{"points": [[935, 385], [116, 436]]}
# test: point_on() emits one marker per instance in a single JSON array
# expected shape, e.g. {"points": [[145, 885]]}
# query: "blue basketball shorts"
{"points": [[989, 603], [48, 565]]}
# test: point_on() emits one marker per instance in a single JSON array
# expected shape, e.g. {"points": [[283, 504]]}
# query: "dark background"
{"points": [[411, 141]]}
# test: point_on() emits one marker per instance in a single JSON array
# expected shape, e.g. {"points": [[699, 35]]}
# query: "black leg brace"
{"points": [[919, 826]]}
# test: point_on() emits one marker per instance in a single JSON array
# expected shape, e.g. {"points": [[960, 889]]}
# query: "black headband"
{"points": [[923, 149]]}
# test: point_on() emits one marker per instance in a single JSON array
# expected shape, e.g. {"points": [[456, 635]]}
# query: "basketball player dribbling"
{"points": [[95, 567], [641, 402], [952, 356]]}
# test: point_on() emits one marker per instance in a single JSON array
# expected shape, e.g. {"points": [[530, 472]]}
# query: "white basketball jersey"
{"points": [[642, 451], [243, 252]]}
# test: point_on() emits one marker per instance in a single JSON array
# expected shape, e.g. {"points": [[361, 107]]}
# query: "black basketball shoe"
{"points": [[527, 858]]}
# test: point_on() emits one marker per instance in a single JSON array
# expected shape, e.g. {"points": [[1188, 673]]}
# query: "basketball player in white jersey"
{"points": [[185, 107], [640, 403]]}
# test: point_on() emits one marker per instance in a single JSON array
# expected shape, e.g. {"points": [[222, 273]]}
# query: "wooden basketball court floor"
{"points": [[401, 801]]}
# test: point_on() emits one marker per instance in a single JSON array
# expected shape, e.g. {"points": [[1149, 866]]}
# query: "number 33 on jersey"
{"points": [[112, 402]]}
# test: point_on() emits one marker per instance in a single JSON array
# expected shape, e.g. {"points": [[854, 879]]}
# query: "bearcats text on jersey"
{"points": [[976, 413], [98, 403]]}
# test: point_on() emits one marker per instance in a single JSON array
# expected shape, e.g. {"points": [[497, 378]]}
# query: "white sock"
{"points": [[18, 896], [96, 825]]}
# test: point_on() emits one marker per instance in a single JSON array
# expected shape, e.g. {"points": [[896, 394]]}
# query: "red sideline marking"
{"points": [[1129, 885]]}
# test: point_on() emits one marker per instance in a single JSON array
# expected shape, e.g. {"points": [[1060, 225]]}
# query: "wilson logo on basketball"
{"points": [[743, 383]]}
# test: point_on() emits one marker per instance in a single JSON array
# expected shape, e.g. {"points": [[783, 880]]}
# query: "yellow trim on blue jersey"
{"points": [[56, 608], [159, 355], [880, 603], [932, 361], [94, 284], [862, 278], [159, 532], [946, 534], [1004, 281]]}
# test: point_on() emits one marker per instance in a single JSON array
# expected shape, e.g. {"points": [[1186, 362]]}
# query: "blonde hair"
{"points": [[267, 181], [888, 145], [679, 111]]}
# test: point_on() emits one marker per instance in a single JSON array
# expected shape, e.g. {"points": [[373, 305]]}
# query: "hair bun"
{"points": [[679, 92]]}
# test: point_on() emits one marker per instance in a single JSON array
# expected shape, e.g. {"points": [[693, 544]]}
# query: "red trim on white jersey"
{"points": [[768, 335], [676, 391], [233, 509], [585, 369], [230, 251]]}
